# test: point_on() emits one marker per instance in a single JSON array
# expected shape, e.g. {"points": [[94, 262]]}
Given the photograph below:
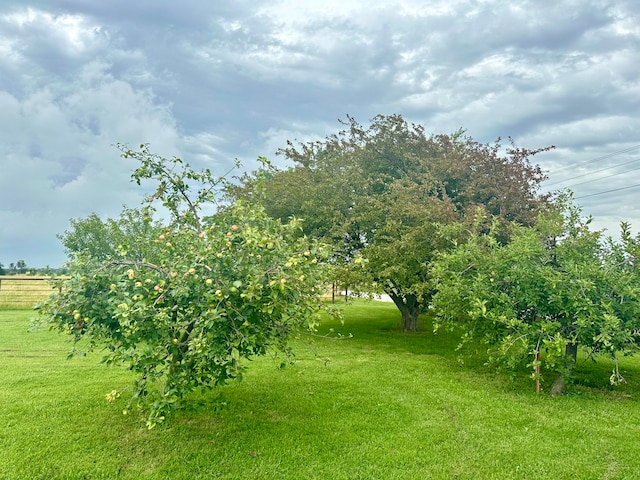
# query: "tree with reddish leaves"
{"points": [[380, 193]]}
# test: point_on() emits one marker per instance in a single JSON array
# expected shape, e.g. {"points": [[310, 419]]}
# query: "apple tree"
{"points": [[555, 287], [183, 303]]}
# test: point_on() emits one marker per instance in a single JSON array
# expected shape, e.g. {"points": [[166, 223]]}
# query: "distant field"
{"points": [[23, 291]]}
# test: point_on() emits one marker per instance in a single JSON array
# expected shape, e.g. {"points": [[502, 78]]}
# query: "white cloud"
{"points": [[58, 159], [212, 81]]}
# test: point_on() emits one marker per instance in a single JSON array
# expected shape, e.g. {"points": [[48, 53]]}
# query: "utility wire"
{"points": [[597, 171], [608, 191], [603, 157]]}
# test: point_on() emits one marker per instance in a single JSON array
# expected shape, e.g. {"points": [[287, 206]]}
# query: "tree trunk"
{"points": [[571, 354], [409, 308], [571, 351]]}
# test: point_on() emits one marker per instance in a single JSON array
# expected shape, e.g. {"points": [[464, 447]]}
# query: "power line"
{"points": [[596, 171], [608, 191], [603, 157], [600, 178]]}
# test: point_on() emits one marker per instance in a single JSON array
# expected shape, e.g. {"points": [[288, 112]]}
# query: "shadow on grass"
{"points": [[376, 326]]}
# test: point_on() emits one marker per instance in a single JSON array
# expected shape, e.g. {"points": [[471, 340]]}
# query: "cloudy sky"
{"points": [[212, 81]]}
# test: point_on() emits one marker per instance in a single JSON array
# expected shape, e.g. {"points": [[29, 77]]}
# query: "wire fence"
{"points": [[23, 291]]}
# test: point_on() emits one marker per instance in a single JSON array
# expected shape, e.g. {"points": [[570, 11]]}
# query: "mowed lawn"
{"points": [[380, 405]]}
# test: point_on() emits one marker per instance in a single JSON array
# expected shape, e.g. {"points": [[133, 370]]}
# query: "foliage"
{"points": [[183, 304], [378, 193], [555, 286], [14, 268], [102, 240]]}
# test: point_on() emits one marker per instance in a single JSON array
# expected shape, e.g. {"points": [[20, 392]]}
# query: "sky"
{"points": [[215, 81]]}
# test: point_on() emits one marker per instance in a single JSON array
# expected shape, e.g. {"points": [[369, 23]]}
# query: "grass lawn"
{"points": [[385, 405]]}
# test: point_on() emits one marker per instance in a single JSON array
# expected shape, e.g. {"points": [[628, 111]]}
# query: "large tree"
{"points": [[555, 287], [379, 193], [183, 303]]}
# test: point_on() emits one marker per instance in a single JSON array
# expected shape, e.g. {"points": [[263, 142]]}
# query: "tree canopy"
{"points": [[378, 194], [552, 288], [101, 240], [183, 302]]}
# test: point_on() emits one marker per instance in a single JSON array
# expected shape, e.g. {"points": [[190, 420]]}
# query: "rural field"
{"points": [[23, 290], [377, 405]]}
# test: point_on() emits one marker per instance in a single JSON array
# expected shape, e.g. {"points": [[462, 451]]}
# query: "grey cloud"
{"points": [[212, 81], [71, 168]]}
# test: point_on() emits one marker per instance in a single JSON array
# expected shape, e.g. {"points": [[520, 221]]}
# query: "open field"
{"points": [[23, 291], [380, 405]]}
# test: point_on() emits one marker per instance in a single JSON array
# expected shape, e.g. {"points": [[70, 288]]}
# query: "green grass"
{"points": [[386, 405]]}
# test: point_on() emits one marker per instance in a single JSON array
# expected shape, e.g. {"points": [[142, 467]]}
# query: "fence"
{"points": [[23, 291]]}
